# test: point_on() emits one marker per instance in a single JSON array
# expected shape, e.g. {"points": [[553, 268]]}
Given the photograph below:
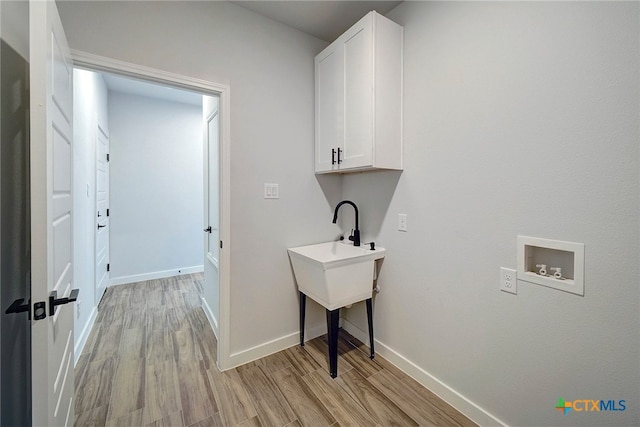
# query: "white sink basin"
{"points": [[335, 274]]}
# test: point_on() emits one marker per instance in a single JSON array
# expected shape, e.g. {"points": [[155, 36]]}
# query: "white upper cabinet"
{"points": [[358, 88]]}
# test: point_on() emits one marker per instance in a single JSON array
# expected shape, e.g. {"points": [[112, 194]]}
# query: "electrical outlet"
{"points": [[508, 280], [402, 222]]}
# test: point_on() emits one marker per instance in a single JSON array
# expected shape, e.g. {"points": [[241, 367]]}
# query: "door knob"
{"points": [[55, 301], [208, 229]]}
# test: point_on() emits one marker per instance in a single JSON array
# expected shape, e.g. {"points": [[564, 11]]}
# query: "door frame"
{"points": [[98, 63]]}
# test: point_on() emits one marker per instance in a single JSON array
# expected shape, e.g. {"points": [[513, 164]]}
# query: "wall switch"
{"points": [[402, 222], [508, 280], [271, 191]]}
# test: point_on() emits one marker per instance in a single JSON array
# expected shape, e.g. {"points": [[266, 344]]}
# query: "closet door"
{"points": [[358, 95], [329, 109]]}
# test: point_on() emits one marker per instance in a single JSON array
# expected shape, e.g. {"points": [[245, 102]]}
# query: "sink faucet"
{"points": [[356, 233]]}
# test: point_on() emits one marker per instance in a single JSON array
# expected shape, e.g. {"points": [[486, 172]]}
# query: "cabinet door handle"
{"points": [[339, 151], [333, 156]]}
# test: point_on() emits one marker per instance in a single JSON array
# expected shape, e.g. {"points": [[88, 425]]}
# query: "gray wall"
{"points": [[519, 118], [156, 188]]}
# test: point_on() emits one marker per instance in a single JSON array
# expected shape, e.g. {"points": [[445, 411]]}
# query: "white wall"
{"points": [[156, 188], [269, 68], [90, 109], [520, 118]]}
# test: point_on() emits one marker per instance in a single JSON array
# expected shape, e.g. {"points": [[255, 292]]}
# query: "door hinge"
{"points": [[108, 267], [107, 212], [220, 244], [107, 157]]}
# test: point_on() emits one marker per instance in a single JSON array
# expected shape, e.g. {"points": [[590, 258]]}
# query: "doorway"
{"points": [[215, 306]]}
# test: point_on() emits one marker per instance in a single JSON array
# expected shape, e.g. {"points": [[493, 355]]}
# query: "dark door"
{"points": [[15, 349]]}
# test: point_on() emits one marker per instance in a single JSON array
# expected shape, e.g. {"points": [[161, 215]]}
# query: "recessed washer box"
{"points": [[569, 256]]}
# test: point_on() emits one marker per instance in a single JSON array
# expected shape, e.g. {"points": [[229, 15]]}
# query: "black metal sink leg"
{"points": [[303, 305], [370, 321], [333, 316]]}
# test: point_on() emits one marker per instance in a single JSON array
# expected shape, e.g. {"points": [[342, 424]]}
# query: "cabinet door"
{"points": [[329, 107], [358, 93]]}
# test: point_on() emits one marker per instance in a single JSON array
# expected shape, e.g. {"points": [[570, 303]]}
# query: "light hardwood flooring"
{"points": [[150, 361]]}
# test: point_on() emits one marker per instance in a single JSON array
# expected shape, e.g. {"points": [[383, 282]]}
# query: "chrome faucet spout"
{"points": [[356, 232]]}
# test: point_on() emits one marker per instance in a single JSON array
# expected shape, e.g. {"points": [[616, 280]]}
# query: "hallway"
{"points": [[150, 361]]}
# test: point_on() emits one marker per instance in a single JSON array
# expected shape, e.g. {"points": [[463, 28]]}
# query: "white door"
{"points": [[212, 210], [51, 223], [102, 213]]}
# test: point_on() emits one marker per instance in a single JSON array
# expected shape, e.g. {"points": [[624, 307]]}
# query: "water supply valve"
{"points": [[558, 272], [543, 269]]}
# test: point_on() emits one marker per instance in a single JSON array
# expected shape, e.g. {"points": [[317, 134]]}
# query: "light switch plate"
{"points": [[271, 191]]}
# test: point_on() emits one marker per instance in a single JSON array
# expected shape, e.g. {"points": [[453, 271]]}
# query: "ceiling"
{"points": [[325, 20], [152, 90]]}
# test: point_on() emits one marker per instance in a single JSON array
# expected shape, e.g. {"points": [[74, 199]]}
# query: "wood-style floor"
{"points": [[150, 361]]}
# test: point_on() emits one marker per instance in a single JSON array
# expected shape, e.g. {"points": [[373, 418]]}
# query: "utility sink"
{"points": [[335, 274]]}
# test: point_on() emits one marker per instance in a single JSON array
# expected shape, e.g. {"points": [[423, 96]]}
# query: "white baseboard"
{"points": [[123, 280], [82, 340], [276, 345], [212, 319], [442, 390]]}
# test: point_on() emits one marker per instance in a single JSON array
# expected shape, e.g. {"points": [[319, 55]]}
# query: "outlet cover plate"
{"points": [[271, 191], [402, 222], [508, 280]]}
